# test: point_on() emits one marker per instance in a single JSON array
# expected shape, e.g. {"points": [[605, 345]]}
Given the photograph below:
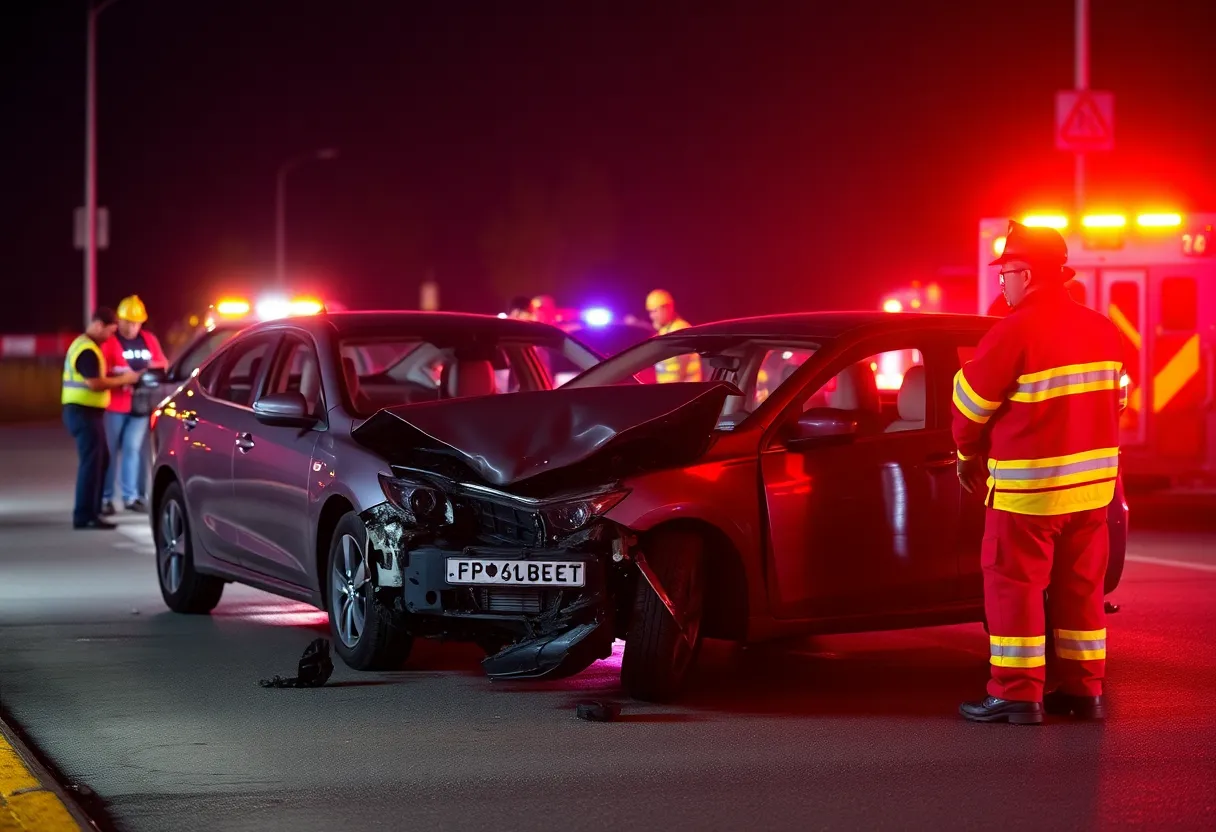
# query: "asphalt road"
{"points": [[161, 715]]}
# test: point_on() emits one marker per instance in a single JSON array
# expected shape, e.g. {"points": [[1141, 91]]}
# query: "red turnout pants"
{"points": [[1022, 556]]}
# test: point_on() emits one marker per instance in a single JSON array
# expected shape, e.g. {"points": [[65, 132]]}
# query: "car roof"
{"points": [[422, 323], [811, 325]]}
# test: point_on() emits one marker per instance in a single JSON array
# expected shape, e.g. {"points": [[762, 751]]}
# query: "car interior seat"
{"points": [[351, 373], [911, 402], [857, 392], [464, 378]]}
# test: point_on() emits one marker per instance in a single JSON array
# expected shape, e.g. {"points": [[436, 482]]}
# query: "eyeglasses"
{"points": [[1003, 275]]}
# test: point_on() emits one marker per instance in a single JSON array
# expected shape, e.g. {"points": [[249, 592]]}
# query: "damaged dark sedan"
{"points": [[807, 487]]}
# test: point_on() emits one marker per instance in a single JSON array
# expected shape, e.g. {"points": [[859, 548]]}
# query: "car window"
{"points": [[236, 381], [885, 393], [776, 367], [194, 357], [298, 371], [380, 373]]}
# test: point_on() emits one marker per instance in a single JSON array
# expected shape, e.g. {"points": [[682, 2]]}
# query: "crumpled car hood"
{"points": [[509, 438]]}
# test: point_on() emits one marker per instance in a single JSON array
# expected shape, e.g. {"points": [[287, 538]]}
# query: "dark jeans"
{"points": [[88, 427]]}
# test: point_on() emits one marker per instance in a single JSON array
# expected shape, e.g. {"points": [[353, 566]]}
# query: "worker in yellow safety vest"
{"points": [[85, 397], [661, 307]]}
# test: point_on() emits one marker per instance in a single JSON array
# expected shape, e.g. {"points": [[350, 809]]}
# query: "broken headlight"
{"points": [[576, 514], [424, 505]]}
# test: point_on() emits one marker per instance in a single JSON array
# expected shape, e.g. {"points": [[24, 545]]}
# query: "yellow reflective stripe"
{"points": [[1066, 479], [1053, 461], [1082, 655], [1051, 503], [1064, 390], [1018, 661], [1070, 369], [961, 378], [1124, 324], [1176, 373], [1017, 641], [1081, 635]]}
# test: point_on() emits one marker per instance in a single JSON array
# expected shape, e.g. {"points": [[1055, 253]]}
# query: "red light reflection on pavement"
{"points": [[274, 614]]}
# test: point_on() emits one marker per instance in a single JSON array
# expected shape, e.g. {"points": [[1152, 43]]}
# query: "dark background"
{"points": [[750, 157]]}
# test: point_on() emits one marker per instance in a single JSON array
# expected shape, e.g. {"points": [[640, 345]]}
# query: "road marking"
{"points": [[26, 803], [1181, 564], [140, 534]]}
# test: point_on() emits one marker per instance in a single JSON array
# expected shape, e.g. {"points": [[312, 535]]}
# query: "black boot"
{"points": [[1002, 710], [1059, 703]]}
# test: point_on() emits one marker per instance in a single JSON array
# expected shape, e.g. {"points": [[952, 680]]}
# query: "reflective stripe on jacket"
{"points": [[75, 387], [1041, 400], [680, 367]]}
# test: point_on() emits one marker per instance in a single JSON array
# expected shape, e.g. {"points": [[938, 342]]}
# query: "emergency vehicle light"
{"points": [[232, 307], [1104, 221], [998, 246], [307, 306], [1056, 221], [892, 305], [1159, 220], [597, 317]]}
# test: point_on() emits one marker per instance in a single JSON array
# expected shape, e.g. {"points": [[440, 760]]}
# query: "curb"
{"points": [[30, 798]]}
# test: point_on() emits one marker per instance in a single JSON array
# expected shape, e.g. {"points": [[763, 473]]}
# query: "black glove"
{"points": [[973, 475]]}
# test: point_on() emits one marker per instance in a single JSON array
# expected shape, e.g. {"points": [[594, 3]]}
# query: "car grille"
{"points": [[501, 523], [510, 599]]}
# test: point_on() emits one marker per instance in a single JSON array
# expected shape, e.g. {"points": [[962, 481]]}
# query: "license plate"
{"points": [[516, 572]]}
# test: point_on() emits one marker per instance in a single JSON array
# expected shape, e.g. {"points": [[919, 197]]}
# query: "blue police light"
{"points": [[597, 317]]}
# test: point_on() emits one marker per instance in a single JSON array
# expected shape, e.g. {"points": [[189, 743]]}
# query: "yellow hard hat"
{"points": [[132, 309], [659, 298]]}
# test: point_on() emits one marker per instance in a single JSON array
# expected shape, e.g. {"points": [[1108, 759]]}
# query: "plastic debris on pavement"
{"points": [[597, 711], [314, 670]]}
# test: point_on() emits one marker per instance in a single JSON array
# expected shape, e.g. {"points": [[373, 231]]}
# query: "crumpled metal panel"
{"points": [[506, 439]]}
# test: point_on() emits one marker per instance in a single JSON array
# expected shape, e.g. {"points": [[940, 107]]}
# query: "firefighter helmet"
{"points": [[131, 308], [1037, 246]]}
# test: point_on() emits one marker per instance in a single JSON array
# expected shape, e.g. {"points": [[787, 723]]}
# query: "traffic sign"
{"points": [[1085, 121]]}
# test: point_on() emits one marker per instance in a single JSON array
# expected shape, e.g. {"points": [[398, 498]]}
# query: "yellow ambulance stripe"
{"points": [[1125, 325], [1170, 380]]}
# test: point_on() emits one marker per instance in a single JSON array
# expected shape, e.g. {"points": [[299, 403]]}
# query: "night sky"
{"points": [[750, 157]]}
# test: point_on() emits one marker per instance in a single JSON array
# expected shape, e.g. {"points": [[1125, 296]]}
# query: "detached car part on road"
{"points": [[787, 495]]}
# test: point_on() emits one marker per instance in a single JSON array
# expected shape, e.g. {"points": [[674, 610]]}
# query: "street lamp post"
{"points": [[280, 208], [90, 162]]}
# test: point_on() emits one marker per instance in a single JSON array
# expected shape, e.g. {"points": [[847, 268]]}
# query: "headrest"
{"points": [[468, 378], [912, 395], [856, 389], [310, 380]]}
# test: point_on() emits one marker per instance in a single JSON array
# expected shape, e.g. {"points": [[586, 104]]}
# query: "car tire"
{"points": [[658, 655], [183, 587], [367, 635]]}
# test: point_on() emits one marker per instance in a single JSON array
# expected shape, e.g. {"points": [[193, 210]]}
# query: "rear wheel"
{"points": [[658, 652], [366, 634], [184, 589]]}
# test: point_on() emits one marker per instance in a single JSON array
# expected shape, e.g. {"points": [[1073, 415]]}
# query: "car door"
{"points": [[854, 519], [272, 470], [970, 532], [210, 441]]}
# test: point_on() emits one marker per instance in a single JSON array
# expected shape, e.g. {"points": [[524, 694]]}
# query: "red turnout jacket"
{"points": [[1041, 400]]}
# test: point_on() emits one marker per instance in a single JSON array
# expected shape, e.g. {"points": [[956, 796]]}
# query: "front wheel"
{"points": [[184, 589], [658, 652], [366, 634]]}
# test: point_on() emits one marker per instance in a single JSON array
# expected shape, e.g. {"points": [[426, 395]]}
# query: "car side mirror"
{"points": [[821, 426], [283, 410]]}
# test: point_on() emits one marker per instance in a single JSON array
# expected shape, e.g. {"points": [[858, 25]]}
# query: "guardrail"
{"points": [[31, 368]]}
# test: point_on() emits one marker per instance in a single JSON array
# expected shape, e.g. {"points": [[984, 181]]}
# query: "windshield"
{"points": [[757, 366], [388, 370], [606, 340]]}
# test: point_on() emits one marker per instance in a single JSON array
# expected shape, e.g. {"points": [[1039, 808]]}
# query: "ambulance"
{"points": [[1154, 275]]}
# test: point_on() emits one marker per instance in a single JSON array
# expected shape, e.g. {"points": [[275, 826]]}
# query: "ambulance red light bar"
{"points": [[1104, 221], [1056, 221], [892, 305], [1159, 220]]}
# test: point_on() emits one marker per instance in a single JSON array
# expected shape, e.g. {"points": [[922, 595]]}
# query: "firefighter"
{"points": [[661, 307], [521, 308], [85, 397], [1036, 423]]}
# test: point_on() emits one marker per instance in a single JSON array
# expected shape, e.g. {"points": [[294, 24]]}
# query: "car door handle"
{"points": [[189, 422], [244, 443], [941, 460]]}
